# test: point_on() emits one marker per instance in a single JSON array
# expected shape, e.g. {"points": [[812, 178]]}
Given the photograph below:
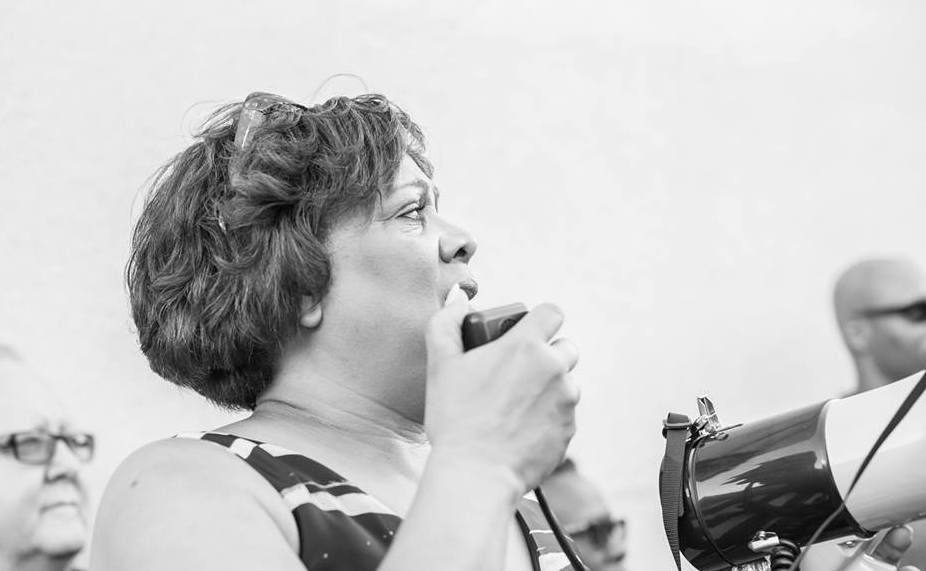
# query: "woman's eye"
{"points": [[31, 443], [415, 213], [80, 439], [916, 313]]}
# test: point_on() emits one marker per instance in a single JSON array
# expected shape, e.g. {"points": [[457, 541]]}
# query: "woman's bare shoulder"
{"points": [[189, 503], [181, 466]]}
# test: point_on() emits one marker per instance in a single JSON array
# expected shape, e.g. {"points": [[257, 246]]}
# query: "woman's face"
{"points": [[42, 507], [390, 275]]}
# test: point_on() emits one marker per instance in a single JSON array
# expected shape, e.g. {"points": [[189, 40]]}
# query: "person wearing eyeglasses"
{"points": [[581, 510], [294, 262], [880, 307], [43, 500]]}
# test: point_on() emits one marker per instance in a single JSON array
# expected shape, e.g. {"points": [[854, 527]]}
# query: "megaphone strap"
{"points": [[676, 429]]}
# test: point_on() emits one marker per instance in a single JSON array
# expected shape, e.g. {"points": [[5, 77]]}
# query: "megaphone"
{"points": [[734, 494]]}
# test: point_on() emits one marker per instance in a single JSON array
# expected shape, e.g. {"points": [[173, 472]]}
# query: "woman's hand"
{"points": [[507, 405], [499, 418]]}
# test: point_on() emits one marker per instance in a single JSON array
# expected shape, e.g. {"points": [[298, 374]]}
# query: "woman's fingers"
{"points": [[566, 352], [543, 322]]}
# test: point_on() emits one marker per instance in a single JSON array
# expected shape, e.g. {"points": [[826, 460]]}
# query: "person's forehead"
{"points": [[410, 174], [898, 284], [25, 401], [583, 501]]}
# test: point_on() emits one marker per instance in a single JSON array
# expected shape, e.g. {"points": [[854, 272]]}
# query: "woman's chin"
{"points": [[61, 531]]}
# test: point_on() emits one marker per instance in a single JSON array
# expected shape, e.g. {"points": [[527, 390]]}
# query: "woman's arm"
{"points": [[458, 520], [181, 504], [499, 419]]}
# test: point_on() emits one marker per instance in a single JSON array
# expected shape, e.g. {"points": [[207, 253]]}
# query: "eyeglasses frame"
{"points": [[10, 442], [900, 310]]}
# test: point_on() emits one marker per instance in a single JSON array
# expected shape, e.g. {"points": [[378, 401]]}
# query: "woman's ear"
{"points": [[310, 315], [857, 332]]}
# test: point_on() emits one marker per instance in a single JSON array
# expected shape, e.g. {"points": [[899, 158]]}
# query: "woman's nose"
{"points": [[456, 244], [63, 463]]}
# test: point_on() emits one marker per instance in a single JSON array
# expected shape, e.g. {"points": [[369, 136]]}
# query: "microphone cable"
{"points": [[557, 530]]}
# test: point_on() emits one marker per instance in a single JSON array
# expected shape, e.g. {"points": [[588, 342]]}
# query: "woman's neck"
{"points": [[351, 416], [354, 388], [312, 388], [363, 441], [348, 423]]}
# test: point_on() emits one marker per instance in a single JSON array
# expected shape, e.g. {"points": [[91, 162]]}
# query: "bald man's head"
{"points": [[877, 307]]}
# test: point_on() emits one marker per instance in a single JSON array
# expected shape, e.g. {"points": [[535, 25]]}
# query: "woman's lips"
{"points": [[59, 505], [61, 494], [470, 288]]}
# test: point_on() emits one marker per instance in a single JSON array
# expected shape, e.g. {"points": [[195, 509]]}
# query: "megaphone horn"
{"points": [[752, 490]]}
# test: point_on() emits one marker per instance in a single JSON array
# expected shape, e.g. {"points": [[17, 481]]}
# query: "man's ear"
{"points": [[310, 314], [858, 334]]}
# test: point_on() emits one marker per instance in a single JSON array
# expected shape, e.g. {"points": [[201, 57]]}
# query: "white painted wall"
{"points": [[685, 179]]}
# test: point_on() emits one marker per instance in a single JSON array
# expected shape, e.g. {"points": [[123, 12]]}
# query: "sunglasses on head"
{"points": [[255, 110], [38, 447], [257, 107], [914, 312]]}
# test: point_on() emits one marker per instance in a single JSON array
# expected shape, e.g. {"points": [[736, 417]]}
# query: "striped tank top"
{"points": [[341, 527]]}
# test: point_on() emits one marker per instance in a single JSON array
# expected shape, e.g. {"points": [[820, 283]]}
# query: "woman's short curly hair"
{"points": [[220, 262]]}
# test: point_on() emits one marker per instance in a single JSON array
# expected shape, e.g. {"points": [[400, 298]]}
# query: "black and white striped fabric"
{"points": [[341, 527]]}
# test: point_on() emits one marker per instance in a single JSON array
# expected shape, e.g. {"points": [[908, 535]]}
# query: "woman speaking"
{"points": [[294, 262]]}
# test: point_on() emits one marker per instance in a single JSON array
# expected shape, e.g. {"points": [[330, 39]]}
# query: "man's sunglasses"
{"points": [[38, 447], [598, 532], [913, 312]]}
